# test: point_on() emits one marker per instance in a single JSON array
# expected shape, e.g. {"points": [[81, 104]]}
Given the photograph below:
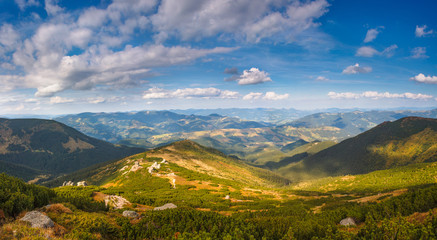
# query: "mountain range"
{"points": [[31, 147]]}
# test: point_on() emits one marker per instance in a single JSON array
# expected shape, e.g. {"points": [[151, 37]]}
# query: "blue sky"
{"points": [[64, 56]]}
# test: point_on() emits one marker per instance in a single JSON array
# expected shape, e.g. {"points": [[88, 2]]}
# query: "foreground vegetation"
{"points": [[78, 215]]}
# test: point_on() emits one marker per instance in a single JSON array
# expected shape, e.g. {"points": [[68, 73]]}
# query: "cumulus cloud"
{"points": [[421, 78], [371, 34], [421, 31], [274, 96], [253, 76], [378, 95], [370, 52], [267, 96], [355, 69], [187, 93], [252, 20], [419, 52], [58, 99], [52, 72]]}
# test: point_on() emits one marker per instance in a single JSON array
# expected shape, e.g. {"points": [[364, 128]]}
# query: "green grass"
{"points": [[378, 181]]}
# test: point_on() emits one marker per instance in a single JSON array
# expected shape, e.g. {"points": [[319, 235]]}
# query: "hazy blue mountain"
{"points": [[114, 127], [271, 115], [356, 122]]}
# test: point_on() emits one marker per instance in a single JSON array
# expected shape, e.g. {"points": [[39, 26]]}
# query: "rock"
{"points": [[38, 220], [227, 197], [154, 166], [116, 201], [164, 161], [348, 222], [69, 183], [130, 214], [136, 167], [82, 184], [165, 206]]}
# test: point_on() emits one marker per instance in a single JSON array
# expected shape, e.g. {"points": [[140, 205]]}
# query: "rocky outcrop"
{"points": [[136, 167], [348, 222], [130, 214], [38, 220], [69, 183], [154, 166], [82, 184], [165, 206], [115, 201]]}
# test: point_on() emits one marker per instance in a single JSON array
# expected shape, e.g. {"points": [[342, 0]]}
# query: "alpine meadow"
{"points": [[218, 119]]}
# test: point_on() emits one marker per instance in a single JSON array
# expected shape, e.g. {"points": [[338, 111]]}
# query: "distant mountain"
{"points": [[270, 115], [114, 127], [406, 141], [356, 122], [30, 147]]}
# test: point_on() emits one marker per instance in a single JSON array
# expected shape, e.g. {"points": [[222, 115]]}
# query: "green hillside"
{"points": [[30, 147], [406, 141]]}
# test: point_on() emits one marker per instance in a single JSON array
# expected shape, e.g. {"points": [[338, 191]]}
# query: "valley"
{"points": [[294, 187]]}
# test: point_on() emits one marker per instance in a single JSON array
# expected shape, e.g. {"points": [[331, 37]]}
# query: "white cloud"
{"points": [[354, 69], [371, 35], [96, 100], [10, 82], [389, 51], [52, 8], [322, 79], [421, 78], [52, 72], [188, 93], [421, 32], [419, 52], [251, 20], [267, 96], [378, 95], [274, 96], [253, 76], [253, 96], [366, 52], [370, 52], [57, 100], [9, 38], [23, 4]]}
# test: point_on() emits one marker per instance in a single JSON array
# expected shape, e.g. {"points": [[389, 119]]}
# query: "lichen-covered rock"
{"points": [[348, 222], [165, 206], [130, 214], [38, 220]]}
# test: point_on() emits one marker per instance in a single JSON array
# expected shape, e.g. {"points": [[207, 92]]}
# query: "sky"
{"points": [[60, 57]]}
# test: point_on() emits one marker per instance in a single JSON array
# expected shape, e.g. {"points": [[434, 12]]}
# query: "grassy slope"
{"points": [[377, 181], [406, 141]]}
